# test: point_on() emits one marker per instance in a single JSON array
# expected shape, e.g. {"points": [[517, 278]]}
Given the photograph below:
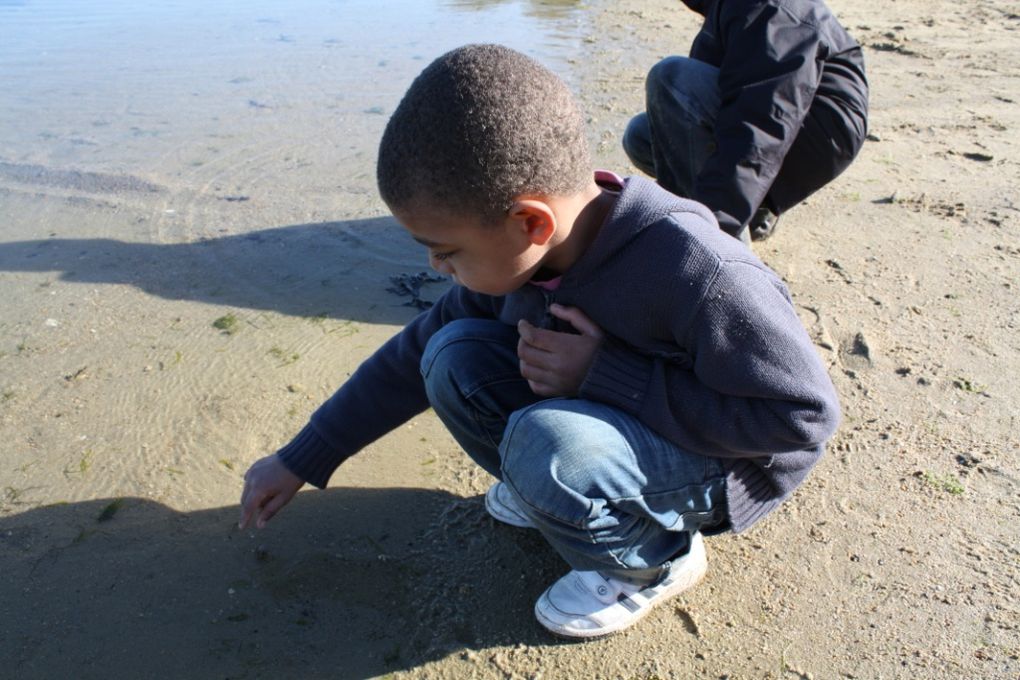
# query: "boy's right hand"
{"points": [[268, 486]]}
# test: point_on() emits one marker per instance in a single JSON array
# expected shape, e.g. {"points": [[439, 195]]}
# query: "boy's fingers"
{"points": [[270, 509], [528, 354], [577, 319], [540, 363], [542, 382], [249, 505], [530, 371], [539, 338], [246, 509], [525, 329], [533, 354], [245, 517]]}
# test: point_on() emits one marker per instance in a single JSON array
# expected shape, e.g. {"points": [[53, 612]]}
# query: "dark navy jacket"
{"points": [[794, 103]]}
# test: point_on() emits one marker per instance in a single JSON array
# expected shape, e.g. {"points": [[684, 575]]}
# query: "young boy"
{"points": [[632, 376]]}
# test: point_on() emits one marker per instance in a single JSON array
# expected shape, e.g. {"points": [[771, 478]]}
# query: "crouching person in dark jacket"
{"points": [[770, 106]]}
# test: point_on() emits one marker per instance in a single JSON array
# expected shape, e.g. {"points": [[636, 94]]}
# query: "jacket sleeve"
{"points": [[386, 391], [770, 70], [751, 383]]}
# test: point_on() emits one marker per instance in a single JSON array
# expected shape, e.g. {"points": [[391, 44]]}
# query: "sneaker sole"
{"points": [[669, 590]]}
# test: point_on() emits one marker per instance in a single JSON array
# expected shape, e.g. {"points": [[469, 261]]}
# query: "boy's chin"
{"points": [[485, 290]]}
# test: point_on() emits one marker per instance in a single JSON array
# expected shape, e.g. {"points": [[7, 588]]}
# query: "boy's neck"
{"points": [[580, 217]]}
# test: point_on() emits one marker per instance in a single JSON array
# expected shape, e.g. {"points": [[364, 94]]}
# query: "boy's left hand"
{"points": [[555, 364]]}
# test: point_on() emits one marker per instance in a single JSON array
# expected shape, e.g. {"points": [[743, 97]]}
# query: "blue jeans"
{"points": [[676, 134], [607, 493]]}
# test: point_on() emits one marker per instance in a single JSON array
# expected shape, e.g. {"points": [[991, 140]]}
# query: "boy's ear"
{"points": [[535, 218]]}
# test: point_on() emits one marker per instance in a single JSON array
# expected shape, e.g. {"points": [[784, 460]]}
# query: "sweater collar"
{"points": [[640, 203]]}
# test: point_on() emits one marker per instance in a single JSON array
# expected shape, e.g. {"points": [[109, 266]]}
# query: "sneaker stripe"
{"points": [[629, 604]]}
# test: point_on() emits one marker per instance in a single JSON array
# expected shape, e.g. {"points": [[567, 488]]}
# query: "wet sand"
{"points": [[185, 283]]}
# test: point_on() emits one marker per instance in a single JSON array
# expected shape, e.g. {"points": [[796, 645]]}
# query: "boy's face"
{"points": [[490, 259]]}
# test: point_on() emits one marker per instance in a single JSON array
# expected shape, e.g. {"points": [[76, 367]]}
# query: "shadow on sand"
{"points": [[336, 269], [346, 583]]}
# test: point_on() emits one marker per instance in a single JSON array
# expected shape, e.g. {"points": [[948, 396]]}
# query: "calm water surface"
{"points": [[193, 95]]}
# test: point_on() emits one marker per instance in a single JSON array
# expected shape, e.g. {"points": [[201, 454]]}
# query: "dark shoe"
{"points": [[763, 224]]}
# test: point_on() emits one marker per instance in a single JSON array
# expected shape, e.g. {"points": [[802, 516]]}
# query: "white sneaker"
{"points": [[585, 604], [502, 505]]}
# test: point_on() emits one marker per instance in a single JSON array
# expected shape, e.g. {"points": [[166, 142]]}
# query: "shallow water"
{"points": [[186, 121], [187, 94], [166, 166]]}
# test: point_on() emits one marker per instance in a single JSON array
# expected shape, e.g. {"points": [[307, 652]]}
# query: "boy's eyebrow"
{"points": [[427, 243]]}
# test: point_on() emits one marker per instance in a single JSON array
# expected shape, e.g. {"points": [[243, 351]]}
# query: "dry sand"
{"points": [[127, 417]]}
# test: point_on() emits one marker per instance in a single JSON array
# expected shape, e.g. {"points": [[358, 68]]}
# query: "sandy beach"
{"points": [[189, 270]]}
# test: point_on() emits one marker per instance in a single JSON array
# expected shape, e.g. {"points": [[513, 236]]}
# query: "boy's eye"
{"points": [[441, 256]]}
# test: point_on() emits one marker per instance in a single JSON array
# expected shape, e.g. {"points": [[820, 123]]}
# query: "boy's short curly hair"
{"points": [[481, 126]]}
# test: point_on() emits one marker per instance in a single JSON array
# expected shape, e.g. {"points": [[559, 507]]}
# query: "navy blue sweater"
{"points": [[702, 344]]}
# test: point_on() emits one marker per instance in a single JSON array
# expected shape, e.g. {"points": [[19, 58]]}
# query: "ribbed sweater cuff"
{"points": [[309, 457], [618, 377], [749, 496]]}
